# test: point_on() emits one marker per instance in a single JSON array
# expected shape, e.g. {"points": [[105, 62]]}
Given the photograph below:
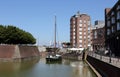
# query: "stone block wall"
{"points": [[17, 52]]}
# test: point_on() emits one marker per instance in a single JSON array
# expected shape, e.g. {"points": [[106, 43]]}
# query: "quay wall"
{"points": [[105, 69], [18, 52]]}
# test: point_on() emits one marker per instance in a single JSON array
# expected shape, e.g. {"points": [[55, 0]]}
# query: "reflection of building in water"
{"points": [[81, 69]]}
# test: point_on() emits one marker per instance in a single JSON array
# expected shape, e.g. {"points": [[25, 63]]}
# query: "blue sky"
{"points": [[37, 16]]}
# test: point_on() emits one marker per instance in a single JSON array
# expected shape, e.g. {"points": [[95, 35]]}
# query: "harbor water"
{"points": [[39, 68]]}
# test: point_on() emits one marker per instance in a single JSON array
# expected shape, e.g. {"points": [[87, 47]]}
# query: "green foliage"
{"points": [[13, 35]]}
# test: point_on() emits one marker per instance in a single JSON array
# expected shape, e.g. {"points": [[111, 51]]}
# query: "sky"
{"points": [[38, 16]]}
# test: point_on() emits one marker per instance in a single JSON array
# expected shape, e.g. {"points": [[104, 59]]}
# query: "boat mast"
{"points": [[55, 33]]}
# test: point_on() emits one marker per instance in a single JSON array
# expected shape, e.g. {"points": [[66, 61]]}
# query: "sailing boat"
{"points": [[54, 56]]}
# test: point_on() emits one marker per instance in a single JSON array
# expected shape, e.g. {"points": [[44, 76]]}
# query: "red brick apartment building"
{"points": [[98, 36], [80, 30], [112, 28]]}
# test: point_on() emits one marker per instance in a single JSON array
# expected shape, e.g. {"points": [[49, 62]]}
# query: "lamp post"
{"points": [[109, 54], [117, 42]]}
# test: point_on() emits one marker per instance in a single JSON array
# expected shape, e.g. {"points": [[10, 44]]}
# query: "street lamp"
{"points": [[117, 42], [109, 54]]}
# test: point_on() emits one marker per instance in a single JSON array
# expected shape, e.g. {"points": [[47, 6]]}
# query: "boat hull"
{"points": [[54, 59]]}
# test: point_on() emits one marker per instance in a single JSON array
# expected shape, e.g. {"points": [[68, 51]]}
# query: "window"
{"points": [[73, 33], [118, 7], [89, 36], [112, 13], [95, 34], [118, 25], [74, 41], [108, 31], [80, 45], [84, 33], [88, 31], [84, 21], [80, 25], [84, 25], [84, 46], [84, 29], [74, 45], [73, 29], [113, 29], [80, 21], [80, 41], [73, 37], [73, 22], [80, 37], [88, 22], [108, 23], [88, 28], [113, 20], [80, 29], [73, 26], [118, 15], [80, 33], [108, 17], [84, 37]]}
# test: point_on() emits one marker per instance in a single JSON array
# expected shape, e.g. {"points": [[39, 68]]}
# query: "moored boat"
{"points": [[51, 58]]}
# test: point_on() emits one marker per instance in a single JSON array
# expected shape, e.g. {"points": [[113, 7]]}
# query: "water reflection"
{"points": [[80, 69], [12, 69], [39, 68]]}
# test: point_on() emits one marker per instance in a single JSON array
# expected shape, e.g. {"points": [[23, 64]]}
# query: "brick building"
{"points": [[98, 36], [80, 30]]}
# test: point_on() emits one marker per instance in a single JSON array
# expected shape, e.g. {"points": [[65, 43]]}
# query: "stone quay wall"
{"points": [[18, 52], [105, 69]]}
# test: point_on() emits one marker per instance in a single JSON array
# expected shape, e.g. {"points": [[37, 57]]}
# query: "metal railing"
{"points": [[111, 60]]}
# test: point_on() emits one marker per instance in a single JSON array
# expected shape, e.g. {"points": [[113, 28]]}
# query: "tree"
{"points": [[13, 35]]}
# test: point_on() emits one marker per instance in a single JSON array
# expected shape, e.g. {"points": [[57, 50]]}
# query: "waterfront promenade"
{"points": [[110, 60]]}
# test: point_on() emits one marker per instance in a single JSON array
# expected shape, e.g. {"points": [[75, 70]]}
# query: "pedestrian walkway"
{"points": [[113, 61]]}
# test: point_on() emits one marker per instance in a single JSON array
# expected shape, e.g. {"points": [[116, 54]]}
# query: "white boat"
{"points": [[56, 57]]}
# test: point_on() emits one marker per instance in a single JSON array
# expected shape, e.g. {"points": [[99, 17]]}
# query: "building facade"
{"points": [[98, 36], [112, 29], [80, 30]]}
